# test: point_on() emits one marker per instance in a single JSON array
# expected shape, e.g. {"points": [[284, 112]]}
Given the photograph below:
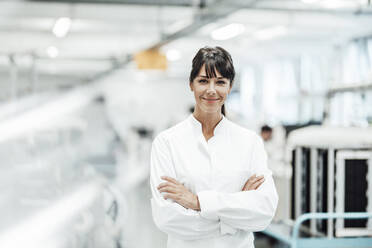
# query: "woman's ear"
{"points": [[231, 83], [191, 86]]}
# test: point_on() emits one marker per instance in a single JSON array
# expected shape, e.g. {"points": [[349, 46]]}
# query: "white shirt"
{"points": [[216, 171]]}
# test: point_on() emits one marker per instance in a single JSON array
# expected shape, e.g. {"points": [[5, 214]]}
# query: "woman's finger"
{"points": [[258, 183], [247, 184], [252, 177], [255, 179], [259, 177], [170, 179], [250, 181], [167, 184], [163, 185], [170, 196], [168, 189]]}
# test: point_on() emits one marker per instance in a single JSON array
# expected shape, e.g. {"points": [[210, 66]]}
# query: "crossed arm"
{"points": [[180, 194], [187, 216]]}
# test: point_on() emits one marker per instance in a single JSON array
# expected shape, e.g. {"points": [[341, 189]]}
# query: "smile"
{"points": [[210, 100]]}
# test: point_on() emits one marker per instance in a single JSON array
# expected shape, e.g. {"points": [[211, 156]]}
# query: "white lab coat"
{"points": [[216, 171]]}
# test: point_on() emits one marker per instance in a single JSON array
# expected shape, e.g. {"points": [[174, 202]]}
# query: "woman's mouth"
{"points": [[211, 99]]}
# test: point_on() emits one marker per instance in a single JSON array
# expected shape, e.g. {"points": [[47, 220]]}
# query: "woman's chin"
{"points": [[210, 110]]}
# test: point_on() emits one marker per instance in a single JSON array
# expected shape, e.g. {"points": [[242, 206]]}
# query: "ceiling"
{"points": [[103, 35]]}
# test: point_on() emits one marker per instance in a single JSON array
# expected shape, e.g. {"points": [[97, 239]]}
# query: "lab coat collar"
{"points": [[197, 126]]}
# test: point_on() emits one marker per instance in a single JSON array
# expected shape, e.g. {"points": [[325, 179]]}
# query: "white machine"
{"points": [[331, 173]]}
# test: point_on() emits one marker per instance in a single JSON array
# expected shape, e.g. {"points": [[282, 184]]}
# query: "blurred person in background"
{"points": [[209, 177], [274, 142], [266, 133]]}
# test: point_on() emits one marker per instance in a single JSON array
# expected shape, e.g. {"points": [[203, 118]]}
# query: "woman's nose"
{"points": [[211, 89]]}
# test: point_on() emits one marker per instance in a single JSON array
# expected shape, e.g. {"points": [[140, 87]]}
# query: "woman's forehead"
{"points": [[203, 72]]}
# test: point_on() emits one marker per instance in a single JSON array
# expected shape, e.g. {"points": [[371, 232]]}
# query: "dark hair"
{"points": [[214, 58], [266, 128]]}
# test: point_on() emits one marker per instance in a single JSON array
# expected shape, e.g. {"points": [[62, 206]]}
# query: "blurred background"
{"points": [[86, 85]]}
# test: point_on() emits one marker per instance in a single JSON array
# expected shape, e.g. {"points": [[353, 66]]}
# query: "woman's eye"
{"points": [[221, 82], [202, 81]]}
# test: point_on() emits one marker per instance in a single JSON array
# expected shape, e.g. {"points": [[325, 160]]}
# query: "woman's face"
{"points": [[210, 93]]}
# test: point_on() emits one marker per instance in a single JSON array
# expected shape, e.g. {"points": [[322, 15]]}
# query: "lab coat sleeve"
{"points": [[246, 210], [169, 216]]}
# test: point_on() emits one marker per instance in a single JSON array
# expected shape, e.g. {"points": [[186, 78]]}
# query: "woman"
{"points": [[205, 192]]}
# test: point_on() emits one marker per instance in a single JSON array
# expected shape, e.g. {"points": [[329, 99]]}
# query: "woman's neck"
{"points": [[208, 120]]}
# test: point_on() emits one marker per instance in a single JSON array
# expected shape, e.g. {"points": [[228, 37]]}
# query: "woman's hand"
{"points": [[253, 182], [179, 193]]}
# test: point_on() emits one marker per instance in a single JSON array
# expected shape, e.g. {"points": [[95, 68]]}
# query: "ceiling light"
{"points": [[49, 113], [228, 32], [334, 4], [310, 1], [173, 55], [52, 51], [61, 27], [269, 33]]}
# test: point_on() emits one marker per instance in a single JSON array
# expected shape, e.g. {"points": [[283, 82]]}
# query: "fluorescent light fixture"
{"points": [[310, 1], [270, 33], [52, 51], [173, 54], [61, 27], [334, 4], [45, 115], [228, 32]]}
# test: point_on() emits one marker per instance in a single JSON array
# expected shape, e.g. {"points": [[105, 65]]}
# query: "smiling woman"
{"points": [[209, 178], [212, 67]]}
